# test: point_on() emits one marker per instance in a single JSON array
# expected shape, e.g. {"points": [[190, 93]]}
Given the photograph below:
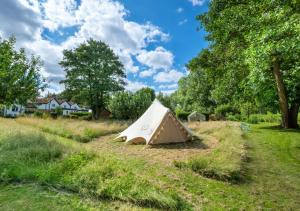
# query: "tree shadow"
{"points": [[278, 128], [196, 143]]}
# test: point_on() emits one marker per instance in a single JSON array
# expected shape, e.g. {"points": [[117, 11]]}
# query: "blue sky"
{"points": [[154, 39]]}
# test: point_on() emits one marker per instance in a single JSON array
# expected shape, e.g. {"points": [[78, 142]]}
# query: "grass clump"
{"points": [[34, 158], [225, 161], [23, 155]]}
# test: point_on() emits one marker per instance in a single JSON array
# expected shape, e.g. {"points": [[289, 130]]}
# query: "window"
{"points": [[53, 105], [14, 108], [65, 106]]}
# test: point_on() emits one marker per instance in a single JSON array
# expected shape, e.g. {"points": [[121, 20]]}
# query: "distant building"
{"points": [[13, 110], [196, 116], [49, 104]]}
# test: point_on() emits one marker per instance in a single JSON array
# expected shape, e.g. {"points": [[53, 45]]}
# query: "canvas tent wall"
{"points": [[157, 125]]}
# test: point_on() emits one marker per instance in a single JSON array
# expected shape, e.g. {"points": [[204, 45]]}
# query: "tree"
{"points": [[254, 49], [166, 100], [121, 105], [20, 79], [93, 72], [128, 105]]}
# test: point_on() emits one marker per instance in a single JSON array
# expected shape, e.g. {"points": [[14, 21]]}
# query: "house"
{"points": [[50, 104], [13, 110]]}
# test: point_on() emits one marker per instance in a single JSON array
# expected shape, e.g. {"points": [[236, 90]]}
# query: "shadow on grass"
{"points": [[193, 144], [278, 128]]}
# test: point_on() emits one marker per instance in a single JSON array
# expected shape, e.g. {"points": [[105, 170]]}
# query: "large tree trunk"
{"points": [[293, 115], [96, 112], [283, 101]]}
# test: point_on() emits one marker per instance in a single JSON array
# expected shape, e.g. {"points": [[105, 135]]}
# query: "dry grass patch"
{"points": [[80, 130], [165, 154]]}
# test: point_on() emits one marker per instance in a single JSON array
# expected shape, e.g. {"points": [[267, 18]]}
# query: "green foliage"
{"points": [[80, 114], [223, 110], [183, 115], [93, 72], [127, 105], [256, 118], [249, 42], [20, 79], [38, 113], [59, 111], [166, 100]]}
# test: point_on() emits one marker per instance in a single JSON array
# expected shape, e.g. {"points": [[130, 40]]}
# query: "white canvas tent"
{"points": [[157, 125]]}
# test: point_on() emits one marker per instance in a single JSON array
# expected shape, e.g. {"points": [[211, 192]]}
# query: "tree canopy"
{"points": [[253, 57], [128, 105], [93, 72], [20, 78]]}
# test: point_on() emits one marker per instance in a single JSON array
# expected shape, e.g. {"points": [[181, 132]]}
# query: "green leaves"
{"points": [[93, 71], [246, 37], [127, 105], [20, 79]]}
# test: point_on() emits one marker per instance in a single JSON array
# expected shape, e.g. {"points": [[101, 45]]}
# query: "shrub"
{"points": [[59, 111], [81, 114], [236, 117], [254, 119], [223, 110], [183, 115], [38, 113]]}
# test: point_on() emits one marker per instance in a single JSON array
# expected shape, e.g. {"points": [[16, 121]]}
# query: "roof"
{"points": [[46, 100]]}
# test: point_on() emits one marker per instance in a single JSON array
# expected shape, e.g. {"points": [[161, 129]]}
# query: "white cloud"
{"points": [[168, 86], [147, 73], [59, 13], [103, 20], [197, 2], [159, 58], [180, 23], [180, 10], [168, 92], [135, 85], [168, 76]]}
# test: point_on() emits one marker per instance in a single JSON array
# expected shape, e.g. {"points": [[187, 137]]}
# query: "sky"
{"points": [[154, 39]]}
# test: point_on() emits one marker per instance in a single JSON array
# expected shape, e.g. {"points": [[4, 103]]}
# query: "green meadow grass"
{"points": [[266, 161]]}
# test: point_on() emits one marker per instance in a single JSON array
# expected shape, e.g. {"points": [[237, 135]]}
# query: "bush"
{"points": [[38, 113], [254, 119], [223, 110], [183, 115], [80, 114], [236, 117]]}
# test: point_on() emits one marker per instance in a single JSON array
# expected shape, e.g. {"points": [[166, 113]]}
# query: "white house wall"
{"points": [[14, 112], [65, 105]]}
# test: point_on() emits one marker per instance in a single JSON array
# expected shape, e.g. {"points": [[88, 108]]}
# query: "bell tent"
{"points": [[157, 125]]}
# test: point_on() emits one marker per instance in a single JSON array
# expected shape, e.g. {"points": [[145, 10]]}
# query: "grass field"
{"points": [[82, 131], [227, 168]]}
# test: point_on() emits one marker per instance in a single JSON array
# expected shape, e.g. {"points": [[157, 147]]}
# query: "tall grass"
{"points": [[82, 131], [34, 158], [225, 161]]}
